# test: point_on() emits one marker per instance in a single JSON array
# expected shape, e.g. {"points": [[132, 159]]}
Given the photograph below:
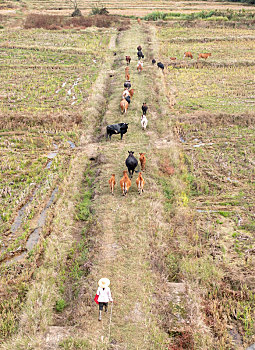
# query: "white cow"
{"points": [[144, 122]]}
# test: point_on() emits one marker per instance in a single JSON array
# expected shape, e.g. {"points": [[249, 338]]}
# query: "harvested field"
{"points": [[180, 255]]}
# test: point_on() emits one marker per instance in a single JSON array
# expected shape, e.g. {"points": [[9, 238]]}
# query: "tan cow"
{"points": [[204, 55], [140, 183], [112, 182], [125, 183], [142, 161], [188, 54], [124, 106]]}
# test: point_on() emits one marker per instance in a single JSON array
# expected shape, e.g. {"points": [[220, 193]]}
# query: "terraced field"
{"points": [[213, 117], [180, 257], [45, 84]]}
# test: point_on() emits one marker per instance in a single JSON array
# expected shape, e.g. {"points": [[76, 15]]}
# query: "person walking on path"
{"points": [[103, 296], [144, 108]]}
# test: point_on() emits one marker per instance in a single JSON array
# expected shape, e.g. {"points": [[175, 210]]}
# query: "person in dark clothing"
{"points": [[128, 99], [139, 48], [144, 108]]}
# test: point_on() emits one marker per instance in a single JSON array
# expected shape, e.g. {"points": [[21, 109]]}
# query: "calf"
{"points": [[140, 183], [139, 20], [144, 122], [131, 92], [172, 58], [204, 55], [160, 65], [128, 59], [188, 54], [127, 76], [124, 105], [127, 70], [142, 161], [120, 128], [139, 66], [112, 182], [131, 163], [125, 183]]}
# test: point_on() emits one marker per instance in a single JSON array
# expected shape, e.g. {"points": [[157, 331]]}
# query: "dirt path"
{"points": [[128, 225]]}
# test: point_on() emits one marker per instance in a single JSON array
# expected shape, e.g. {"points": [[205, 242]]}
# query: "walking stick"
{"points": [[110, 323]]}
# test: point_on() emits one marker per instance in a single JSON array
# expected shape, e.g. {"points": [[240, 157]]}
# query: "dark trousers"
{"points": [[101, 305]]}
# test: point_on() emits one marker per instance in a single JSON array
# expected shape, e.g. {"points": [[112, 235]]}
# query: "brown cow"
{"points": [[128, 59], [139, 20], [142, 161], [140, 183], [173, 58], [131, 92], [127, 76], [125, 183], [139, 66], [127, 70], [112, 182], [124, 106], [204, 55], [188, 54]]}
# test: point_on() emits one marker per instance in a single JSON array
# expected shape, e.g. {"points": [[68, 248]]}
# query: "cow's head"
{"points": [[130, 153]]}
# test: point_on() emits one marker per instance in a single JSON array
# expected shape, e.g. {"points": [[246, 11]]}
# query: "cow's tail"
{"points": [[138, 169]]}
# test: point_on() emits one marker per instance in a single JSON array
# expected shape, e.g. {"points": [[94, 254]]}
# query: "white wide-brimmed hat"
{"points": [[104, 282]]}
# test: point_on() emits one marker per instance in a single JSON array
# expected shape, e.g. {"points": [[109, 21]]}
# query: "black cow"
{"points": [[127, 84], [131, 163], [140, 55], [160, 65], [120, 128], [153, 61]]}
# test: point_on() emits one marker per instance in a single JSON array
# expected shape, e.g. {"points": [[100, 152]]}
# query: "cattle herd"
{"points": [[121, 128]]}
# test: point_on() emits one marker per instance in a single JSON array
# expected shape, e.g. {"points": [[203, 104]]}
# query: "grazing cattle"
{"points": [[142, 161], [139, 66], [125, 183], [144, 108], [139, 48], [140, 55], [120, 128], [188, 54], [112, 182], [144, 122], [204, 55], [124, 105], [132, 91], [128, 59], [139, 20], [153, 61], [140, 183], [127, 76], [127, 70], [160, 65], [172, 58], [131, 163]]}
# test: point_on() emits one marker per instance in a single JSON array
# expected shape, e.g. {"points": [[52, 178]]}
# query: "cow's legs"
{"points": [[121, 136]]}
